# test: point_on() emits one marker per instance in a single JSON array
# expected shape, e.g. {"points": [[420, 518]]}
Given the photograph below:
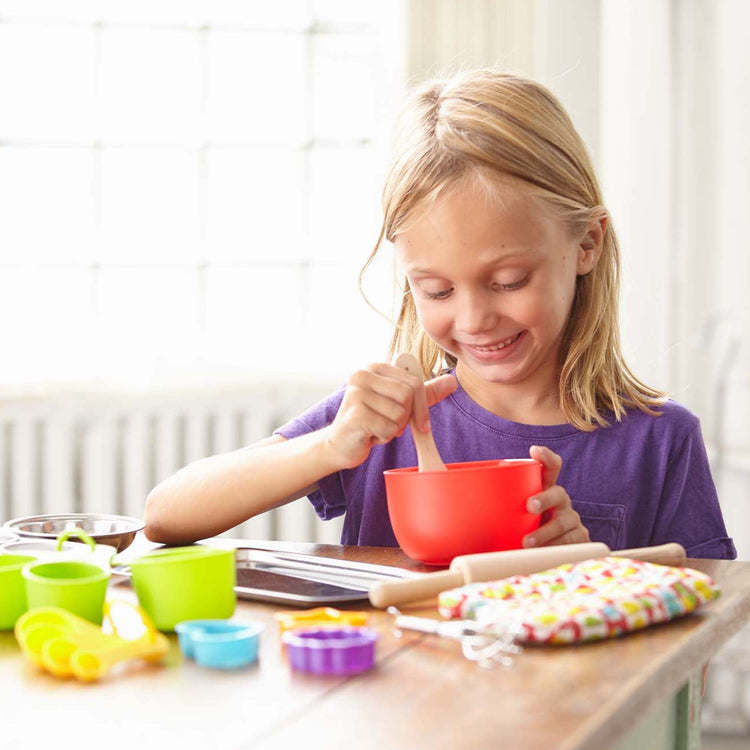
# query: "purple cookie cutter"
{"points": [[331, 650]]}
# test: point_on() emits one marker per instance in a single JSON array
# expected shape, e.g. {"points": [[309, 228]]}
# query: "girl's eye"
{"points": [[496, 285], [511, 286], [438, 295]]}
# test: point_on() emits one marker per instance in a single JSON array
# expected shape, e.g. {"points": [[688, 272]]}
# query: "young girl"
{"points": [[511, 283]]}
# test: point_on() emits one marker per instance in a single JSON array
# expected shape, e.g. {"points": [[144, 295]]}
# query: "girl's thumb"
{"points": [[440, 387]]}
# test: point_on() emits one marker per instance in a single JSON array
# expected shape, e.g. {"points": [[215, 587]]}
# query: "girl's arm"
{"points": [[209, 496], [212, 495]]}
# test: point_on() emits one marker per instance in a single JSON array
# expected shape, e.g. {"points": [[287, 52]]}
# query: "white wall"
{"points": [[727, 254], [636, 174], [675, 162], [660, 92]]}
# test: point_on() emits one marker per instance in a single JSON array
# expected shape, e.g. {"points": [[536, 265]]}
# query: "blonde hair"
{"points": [[498, 127]]}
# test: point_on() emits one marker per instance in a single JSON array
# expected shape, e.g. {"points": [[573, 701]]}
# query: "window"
{"points": [[191, 187]]}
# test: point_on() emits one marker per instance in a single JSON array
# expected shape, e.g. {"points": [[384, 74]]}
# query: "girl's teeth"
{"points": [[499, 346]]}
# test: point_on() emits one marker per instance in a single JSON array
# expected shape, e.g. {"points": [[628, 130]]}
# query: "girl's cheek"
{"points": [[530, 308], [435, 323]]}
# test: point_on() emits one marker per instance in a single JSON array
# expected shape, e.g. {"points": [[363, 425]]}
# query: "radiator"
{"points": [[101, 450]]}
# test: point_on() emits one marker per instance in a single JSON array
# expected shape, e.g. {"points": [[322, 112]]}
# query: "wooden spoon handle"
{"points": [[428, 457]]}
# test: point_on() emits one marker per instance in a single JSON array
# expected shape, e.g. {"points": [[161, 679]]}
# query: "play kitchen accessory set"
{"points": [[494, 595], [55, 602], [54, 599], [494, 602]]}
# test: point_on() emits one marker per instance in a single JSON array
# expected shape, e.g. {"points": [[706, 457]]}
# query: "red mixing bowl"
{"points": [[476, 506]]}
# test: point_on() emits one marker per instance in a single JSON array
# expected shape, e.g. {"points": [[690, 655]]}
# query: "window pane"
{"points": [[202, 176], [283, 14], [292, 14], [256, 87], [347, 13], [345, 202], [55, 339], [150, 208], [151, 12], [255, 205], [147, 319], [77, 10], [345, 334], [254, 319], [344, 90], [47, 204], [151, 86], [46, 82]]}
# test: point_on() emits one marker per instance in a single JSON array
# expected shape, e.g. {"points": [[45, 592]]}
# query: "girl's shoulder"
{"points": [[315, 417], [672, 420], [670, 411]]}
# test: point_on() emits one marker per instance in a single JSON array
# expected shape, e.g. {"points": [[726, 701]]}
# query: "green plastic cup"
{"points": [[78, 587], [185, 583], [12, 589]]}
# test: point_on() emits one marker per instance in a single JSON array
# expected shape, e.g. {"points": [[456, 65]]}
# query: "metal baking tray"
{"points": [[301, 580], [296, 579]]}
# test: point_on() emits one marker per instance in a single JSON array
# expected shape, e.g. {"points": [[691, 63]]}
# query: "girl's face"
{"points": [[493, 281]]}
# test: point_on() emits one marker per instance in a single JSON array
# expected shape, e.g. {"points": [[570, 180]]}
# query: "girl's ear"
{"points": [[591, 244]]}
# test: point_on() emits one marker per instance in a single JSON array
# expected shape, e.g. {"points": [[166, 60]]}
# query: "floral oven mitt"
{"points": [[583, 601]]}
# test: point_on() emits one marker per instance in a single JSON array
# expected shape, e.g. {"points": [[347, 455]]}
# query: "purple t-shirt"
{"points": [[642, 481]]}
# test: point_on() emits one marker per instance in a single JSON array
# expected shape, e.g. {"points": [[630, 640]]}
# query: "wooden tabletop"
{"points": [[422, 693]]}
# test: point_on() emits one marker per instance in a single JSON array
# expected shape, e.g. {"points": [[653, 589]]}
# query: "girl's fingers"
{"points": [[399, 385], [544, 534], [550, 499], [405, 388], [551, 462], [386, 380], [556, 532], [438, 388], [390, 396], [378, 403], [379, 426], [395, 411], [578, 535], [564, 525], [419, 409]]}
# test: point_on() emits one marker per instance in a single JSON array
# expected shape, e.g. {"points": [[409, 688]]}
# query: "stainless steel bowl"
{"points": [[116, 531]]}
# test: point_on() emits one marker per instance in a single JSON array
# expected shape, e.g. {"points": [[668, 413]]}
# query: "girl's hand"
{"points": [[377, 406], [560, 523]]}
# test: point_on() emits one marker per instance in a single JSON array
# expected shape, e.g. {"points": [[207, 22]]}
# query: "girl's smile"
{"points": [[495, 352], [493, 275]]}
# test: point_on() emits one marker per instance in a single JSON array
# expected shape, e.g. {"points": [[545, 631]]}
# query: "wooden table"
{"points": [[634, 690]]}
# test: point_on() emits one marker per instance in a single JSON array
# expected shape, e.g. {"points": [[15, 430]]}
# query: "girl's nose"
{"points": [[475, 314]]}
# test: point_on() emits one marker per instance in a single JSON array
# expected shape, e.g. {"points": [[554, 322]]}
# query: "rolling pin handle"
{"points": [[385, 593], [664, 554]]}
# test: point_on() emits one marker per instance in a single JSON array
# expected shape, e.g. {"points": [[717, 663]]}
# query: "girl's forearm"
{"points": [[214, 494]]}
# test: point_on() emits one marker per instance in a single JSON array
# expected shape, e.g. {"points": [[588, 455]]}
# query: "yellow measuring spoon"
{"points": [[67, 645], [38, 626]]}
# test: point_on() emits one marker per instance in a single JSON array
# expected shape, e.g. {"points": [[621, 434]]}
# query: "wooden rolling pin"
{"points": [[491, 566]]}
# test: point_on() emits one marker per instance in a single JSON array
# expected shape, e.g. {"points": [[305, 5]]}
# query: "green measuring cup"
{"points": [[185, 583], [77, 587], [12, 589]]}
